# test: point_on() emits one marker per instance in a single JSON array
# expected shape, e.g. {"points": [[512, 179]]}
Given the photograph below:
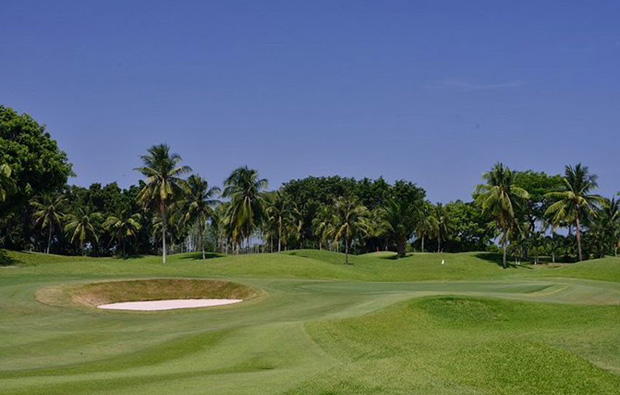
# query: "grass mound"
{"points": [[95, 294]]}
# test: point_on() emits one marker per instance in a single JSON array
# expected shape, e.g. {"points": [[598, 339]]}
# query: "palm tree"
{"points": [[575, 202], [277, 214], [610, 218], [123, 225], [6, 183], [48, 215], [427, 226], [246, 211], [81, 227], [445, 225], [163, 183], [350, 219], [499, 197], [323, 224], [399, 219], [197, 206]]}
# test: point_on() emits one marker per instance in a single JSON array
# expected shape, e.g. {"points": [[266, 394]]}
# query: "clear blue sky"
{"points": [[430, 91]]}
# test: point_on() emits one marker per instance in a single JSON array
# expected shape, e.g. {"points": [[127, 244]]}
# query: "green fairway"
{"points": [[381, 325]]}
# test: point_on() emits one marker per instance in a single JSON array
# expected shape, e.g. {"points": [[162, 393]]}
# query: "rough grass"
{"points": [[380, 325]]}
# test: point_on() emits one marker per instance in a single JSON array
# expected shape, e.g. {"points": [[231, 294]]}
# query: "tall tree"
{"points": [[323, 224], [575, 202], [246, 211], [198, 206], [277, 211], [80, 227], [445, 225], [499, 197], [122, 226], [607, 226], [48, 215], [427, 226], [163, 183], [350, 219], [399, 219]]}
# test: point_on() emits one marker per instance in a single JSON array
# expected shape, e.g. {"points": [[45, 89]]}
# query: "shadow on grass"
{"points": [[130, 257], [197, 256], [498, 260], [6, 260]]}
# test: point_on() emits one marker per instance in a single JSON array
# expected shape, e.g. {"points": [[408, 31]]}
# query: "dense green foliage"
{"points": [[32, 165], [172, 210]]}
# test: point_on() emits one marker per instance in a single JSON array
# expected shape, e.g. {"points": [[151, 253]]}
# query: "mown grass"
{"points": [[467, 345], [380, 325]]}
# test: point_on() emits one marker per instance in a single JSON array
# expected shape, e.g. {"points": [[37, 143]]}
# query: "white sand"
{"points": [[154, 305]]}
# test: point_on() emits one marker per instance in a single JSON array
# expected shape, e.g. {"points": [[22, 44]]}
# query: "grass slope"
{"points": [[377, 326]]}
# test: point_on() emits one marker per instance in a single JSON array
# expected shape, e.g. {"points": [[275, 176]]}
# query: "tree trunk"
{"points": [[422, 243], [280, 234], [49, 240], [400, 246], [346, 247], [202, 243], [579, 235], [439, 243], [505, 247], [163, 231]]}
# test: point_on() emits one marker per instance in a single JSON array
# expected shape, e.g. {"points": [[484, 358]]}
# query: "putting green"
{"points": [[379, 326]]}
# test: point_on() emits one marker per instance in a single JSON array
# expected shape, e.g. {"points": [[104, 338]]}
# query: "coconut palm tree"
{"points": [[499, 197], [445, 225], [197, 207], [277, 212], [609, 218], [399, 219], [323, 224], [80, 227], [122, 226], [48, 215], [6, 183], [350, 219], [163, 183], [247, 208], [575, 203], [427, 226]]}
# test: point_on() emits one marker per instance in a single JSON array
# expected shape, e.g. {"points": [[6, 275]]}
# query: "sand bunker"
{"points": [[155, 305]]}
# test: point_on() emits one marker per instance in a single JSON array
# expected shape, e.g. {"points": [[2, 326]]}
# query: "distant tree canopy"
{"points": [[530, 214]]}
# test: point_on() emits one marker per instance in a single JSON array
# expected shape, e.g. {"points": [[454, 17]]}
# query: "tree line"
{"points": [[522, 214]]}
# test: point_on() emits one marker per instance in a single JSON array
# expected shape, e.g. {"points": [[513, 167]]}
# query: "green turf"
{"points": [[378, 326]]}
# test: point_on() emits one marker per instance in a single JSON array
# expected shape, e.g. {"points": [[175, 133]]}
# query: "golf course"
{"points": [[309, 323]]}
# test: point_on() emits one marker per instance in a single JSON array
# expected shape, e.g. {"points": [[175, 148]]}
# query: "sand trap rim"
{"points": [[92, 294]]}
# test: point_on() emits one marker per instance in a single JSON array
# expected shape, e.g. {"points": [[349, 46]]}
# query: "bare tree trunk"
{"points": [[346, 246], [439, 243], [49, 239], [579, 235], [280, 234], [202, 244], [422, 243], [505, 246]]}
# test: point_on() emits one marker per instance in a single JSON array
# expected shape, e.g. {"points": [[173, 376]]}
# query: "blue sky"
{"points": [[430, 91]]}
